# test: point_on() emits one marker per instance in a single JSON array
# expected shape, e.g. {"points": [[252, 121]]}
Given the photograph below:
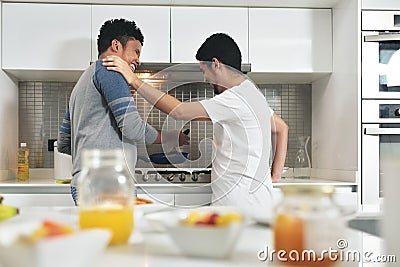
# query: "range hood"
{"points": [[167, 71], [179, 67], [175, 73]]}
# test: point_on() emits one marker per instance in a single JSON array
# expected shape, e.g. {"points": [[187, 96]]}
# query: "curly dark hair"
{"points": [[120, 29], [222, 47]]}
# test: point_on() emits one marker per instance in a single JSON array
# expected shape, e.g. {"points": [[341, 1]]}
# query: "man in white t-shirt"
{"points": [[242, 122], [242, 141]]}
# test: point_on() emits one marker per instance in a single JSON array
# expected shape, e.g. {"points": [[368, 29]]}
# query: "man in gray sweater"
{"points": [[102, 113]]}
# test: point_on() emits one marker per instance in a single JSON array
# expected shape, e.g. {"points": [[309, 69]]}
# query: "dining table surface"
{"points": [[152, 247]]}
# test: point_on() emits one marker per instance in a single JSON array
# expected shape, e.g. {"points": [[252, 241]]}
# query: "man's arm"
{"points": [[172, 106], [118, 97], [280, 132], [162, 101]]}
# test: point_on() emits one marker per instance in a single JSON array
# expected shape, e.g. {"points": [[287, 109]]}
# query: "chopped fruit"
{"points": [[140, 201], [49, 229], [228, 218], [54, 229], [192, 218], [205, 218], [212, 219]]}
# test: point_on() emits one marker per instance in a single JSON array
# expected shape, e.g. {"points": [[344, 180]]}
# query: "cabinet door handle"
{"points": [[382, 37], [380, 131]]}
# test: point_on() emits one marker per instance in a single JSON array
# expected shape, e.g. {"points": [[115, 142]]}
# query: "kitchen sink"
{"points": [[369, 225]]}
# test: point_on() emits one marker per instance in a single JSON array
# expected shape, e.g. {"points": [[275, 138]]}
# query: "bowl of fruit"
{"points": [[211, 233], [49, 243]]}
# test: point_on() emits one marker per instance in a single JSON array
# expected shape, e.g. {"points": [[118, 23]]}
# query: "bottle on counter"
{"points": [[308, 223], [23, 163], [106, 194]]}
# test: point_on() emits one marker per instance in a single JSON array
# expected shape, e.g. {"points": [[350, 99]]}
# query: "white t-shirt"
{"points": [[240, 173]]}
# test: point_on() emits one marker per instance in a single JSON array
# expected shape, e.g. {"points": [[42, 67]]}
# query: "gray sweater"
{"points": [[102, 114]]}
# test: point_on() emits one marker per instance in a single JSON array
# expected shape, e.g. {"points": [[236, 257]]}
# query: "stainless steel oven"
{"points": [[380, 144], [380, 54]]}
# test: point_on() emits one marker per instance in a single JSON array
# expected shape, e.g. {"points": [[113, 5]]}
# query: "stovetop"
{"points": [[172, 175]]}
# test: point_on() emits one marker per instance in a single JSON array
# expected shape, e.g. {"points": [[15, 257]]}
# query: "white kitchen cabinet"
{"points": [[45, 36], [290, 40], [380, 5], [38, 200], [153, 21], [190, 26]]}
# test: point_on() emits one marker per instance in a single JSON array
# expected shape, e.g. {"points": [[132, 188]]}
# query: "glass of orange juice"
{"points": [[106, 194], [117, 219]]}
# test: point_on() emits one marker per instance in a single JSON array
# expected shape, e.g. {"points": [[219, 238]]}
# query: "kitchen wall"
{"points": [[9, 127], [8, 122], [42, 107]]}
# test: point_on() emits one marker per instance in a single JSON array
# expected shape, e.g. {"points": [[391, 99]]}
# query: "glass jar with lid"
{"points": [[308, 224], [106, 193]]}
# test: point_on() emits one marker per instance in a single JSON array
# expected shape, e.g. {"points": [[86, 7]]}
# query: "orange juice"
{"points": [[289, 235], [117, 219]]}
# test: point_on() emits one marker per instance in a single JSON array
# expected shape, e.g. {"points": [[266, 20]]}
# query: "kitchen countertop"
{"points": [[148, 248], [49, 186], [42, 182]]}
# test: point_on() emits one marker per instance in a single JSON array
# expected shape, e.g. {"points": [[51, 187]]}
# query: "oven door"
{"points": [[380, 54], [380, 146], [380, 65]]}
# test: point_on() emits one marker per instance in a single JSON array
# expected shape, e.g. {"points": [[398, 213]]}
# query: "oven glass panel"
{"points": [[389, 111], [389, 64], [389, 149]]}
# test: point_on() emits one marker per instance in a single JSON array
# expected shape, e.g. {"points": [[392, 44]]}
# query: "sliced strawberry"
{"points": [[213, 218]]}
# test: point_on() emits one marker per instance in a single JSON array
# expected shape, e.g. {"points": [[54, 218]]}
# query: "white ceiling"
{"points": [[235, 3]]}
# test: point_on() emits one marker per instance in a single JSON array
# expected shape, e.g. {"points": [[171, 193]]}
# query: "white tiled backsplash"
{"points": [[42, 107]]}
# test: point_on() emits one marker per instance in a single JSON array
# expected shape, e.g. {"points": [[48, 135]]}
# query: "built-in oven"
{"points": [[380, 54], [380, 145]]}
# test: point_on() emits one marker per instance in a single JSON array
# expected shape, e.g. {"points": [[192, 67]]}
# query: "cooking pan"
{"points": [[166, 158], [169, 158], [173, 157]]}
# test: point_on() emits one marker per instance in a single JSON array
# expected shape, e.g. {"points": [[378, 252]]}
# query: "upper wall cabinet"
{"points": [[153, 22], [380, 5], [190, 26], [290, 40], [46, 36]]}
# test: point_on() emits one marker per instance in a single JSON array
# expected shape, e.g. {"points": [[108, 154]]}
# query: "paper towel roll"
{"points": [[62, 165]]}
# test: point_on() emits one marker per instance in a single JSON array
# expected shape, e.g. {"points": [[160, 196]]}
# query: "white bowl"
{"points": [[202, 240], [206, 241], [77, 249]]}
